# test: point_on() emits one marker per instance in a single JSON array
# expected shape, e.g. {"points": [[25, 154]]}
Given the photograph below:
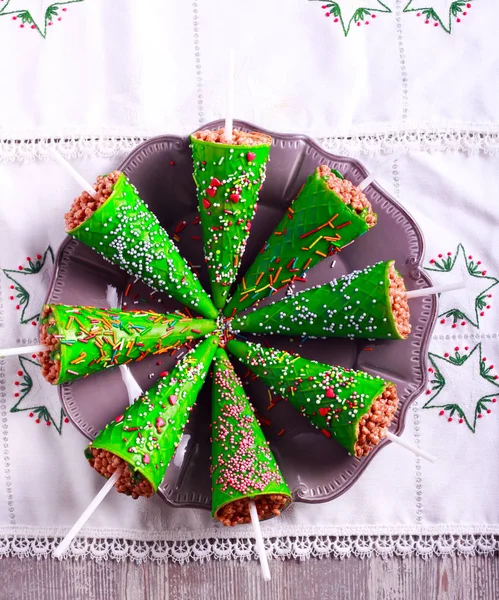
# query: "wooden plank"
{"points": [[446, 578]]}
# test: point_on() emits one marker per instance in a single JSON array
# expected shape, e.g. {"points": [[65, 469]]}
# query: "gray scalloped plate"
{"points": [[315, 468]]}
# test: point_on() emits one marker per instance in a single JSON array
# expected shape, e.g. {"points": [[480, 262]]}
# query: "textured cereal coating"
{"points": [[237, 512], [84, 205], [106, 463], [399, 303], [349, 193], [373, 426], [50, 368], [239, 138]]}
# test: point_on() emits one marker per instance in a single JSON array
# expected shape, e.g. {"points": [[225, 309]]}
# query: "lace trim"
{"points": [[429, 140], [297, 547], [470, 140]]}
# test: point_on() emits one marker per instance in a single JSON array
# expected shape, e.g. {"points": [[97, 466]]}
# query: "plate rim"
{"points": [[417, 272]]}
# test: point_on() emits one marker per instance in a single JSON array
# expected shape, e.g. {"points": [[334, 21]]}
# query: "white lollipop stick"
{"points": [[83, 183], [411, 447], [260, 547], [229, 109], [370, 178], [87, 513], [22, 350], [436, 289]]}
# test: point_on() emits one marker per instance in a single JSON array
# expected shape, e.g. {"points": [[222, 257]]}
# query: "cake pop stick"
{"points": [[22, 350], [116, 223], [411, 447], [328, 214], [260, 546], [81, 181], [370, 178], [229, 109], [87, 513], [436, 289]]}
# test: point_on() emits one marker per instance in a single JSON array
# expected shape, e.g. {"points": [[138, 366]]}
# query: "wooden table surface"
{"points": [[447, 578]]}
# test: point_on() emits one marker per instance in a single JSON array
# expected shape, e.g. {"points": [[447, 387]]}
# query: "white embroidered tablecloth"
{"points": [[415, 80]]}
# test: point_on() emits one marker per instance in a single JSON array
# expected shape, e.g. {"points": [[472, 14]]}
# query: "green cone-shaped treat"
{"points": [[243, 466], [228, 178], [144, 438], [328, 214], [119, 226], [84, 340], [371, 303], [353, 407]]}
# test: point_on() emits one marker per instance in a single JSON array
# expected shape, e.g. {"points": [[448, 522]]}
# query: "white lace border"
{"points": [[296, 547], [470, 140]]}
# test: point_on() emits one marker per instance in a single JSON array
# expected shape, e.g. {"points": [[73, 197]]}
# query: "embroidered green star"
{"points": [[36, 396], [462, 384], [36, 14], [349, 12], [467, 303], [29, 285], [440, 12]]}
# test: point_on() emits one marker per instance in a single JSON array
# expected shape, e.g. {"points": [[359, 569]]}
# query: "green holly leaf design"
{"points": [[30, 399], [348, 12], [20, 282], [36, 14], [449, 395], [444, 17]]}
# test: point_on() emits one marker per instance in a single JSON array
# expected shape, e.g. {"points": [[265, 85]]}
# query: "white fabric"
{"points": [[107, 76]]}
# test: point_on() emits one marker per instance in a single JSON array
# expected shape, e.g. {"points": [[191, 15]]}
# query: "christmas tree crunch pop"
{"points": [[371, 303], [82, 339], [118, 225], [353, 407], [328, 214], [243, 467], [228, 177], [144, 438]]}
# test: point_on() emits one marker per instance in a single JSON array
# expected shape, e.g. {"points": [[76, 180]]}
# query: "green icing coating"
{"points": [[354, 306], [316, 225], [147, 434], [93, 339], [129, 235], [228, 179], [243, 465], [334, 399]]}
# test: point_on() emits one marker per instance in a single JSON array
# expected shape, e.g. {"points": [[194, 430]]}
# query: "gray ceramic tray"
{"points": [[315, 468]]}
